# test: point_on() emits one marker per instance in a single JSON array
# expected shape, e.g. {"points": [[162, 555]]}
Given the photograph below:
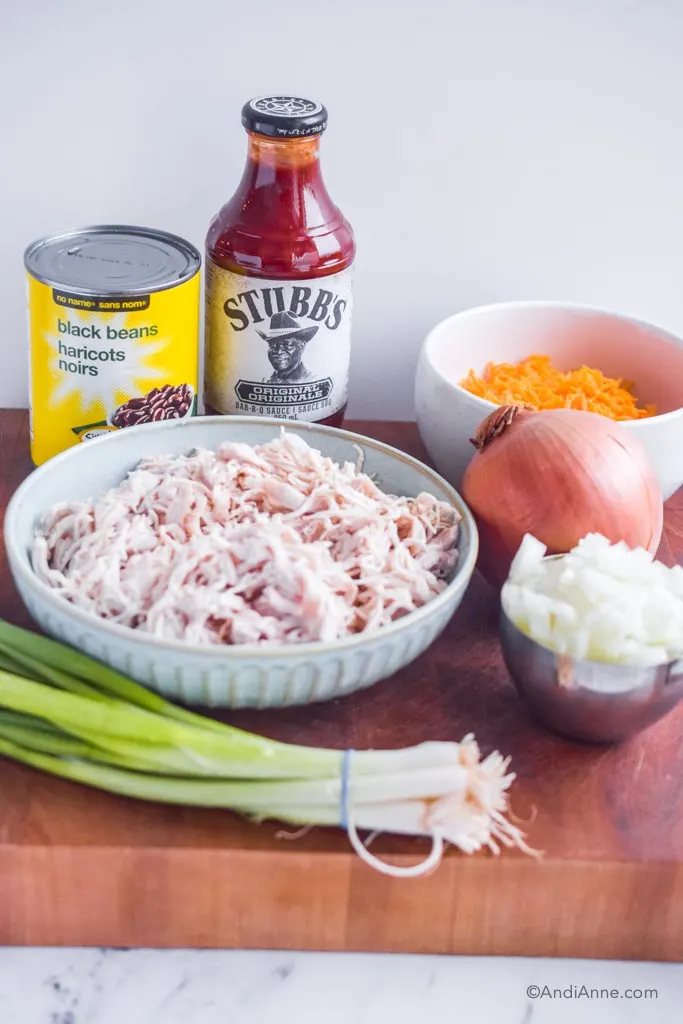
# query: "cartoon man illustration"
{"points": [[286, 344]]}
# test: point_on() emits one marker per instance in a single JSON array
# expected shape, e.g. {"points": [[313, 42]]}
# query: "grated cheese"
{"points": [[537, 383]]}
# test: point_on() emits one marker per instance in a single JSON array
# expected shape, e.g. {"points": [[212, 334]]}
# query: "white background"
{"points": [[484, 150]]}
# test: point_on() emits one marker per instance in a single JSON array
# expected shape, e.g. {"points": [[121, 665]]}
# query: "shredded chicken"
{"points": [[248, 545]]}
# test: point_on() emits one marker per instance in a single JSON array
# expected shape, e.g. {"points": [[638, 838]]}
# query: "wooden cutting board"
{"points": [[81, 868]]}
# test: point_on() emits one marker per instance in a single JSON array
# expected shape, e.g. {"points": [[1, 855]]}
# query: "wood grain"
{"points": [[79, 867]]}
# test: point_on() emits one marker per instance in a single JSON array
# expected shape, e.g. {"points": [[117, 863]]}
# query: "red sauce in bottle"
{"points": [[278, 276]]}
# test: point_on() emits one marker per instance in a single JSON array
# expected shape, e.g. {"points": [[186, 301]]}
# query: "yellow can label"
{"points": [[105, 363]]}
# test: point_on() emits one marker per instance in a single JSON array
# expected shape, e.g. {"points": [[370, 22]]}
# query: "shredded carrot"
{"points": [[534, 381]]}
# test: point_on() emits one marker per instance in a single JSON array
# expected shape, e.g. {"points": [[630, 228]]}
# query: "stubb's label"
{"points": [[103, 363], [277, 348]]}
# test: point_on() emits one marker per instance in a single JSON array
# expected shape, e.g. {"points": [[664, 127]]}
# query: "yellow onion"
{"points": [[558, 474]]}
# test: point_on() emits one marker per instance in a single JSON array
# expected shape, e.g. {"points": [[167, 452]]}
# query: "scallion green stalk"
{"points": [[78, 666]]}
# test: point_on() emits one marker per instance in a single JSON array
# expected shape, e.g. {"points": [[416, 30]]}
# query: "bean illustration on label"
{"points": [[165, 403]]}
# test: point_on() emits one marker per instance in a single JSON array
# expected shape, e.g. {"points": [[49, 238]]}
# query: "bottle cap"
{"points": [[284, 117]]}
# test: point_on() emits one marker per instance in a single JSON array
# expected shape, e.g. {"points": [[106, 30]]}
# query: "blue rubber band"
{"points": [[424, 868], [344, 795]]}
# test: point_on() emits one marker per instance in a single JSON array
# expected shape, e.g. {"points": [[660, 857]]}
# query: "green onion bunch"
{"points": [[65, 713]]}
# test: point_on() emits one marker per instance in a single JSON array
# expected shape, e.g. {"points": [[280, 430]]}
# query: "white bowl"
{"points": [[448, 416], [228, 676]]}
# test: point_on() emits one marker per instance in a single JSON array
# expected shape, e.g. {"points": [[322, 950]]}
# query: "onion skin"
{"points": [[558, 474]]}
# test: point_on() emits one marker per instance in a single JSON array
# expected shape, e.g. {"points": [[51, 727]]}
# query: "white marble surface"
{"points": [[63, 986]]}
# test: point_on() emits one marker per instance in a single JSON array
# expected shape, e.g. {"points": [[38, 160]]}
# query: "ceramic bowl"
{"points": [[448, 416], [229, 676]]}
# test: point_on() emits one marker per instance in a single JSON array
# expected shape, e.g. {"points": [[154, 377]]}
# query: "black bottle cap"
{"points": [[284, 117]]}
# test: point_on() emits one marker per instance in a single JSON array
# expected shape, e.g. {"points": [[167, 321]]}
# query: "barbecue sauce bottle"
{"points": [[278, 277]]}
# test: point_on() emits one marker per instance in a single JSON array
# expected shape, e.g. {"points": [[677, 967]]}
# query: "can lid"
{"points": [[112, 259], [284, 117]]}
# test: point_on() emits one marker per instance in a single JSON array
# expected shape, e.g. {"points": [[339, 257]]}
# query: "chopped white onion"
{"points": [[528, 558], [601, 601]]}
